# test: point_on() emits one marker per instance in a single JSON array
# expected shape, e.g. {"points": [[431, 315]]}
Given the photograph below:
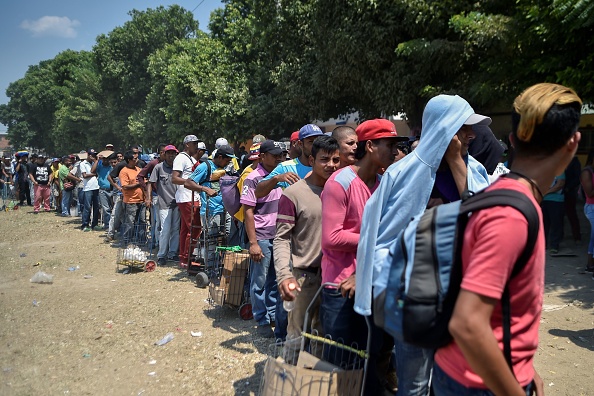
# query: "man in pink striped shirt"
{"points": [[343, 200]]}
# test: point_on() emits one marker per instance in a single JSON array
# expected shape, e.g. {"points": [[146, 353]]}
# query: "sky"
{"points": [[36, 30]]}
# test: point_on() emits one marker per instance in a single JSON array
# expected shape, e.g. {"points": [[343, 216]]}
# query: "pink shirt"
{"points": [[493, 241], [343, 200]]}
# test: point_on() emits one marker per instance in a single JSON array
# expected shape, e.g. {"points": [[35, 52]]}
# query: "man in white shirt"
{"points": [[183, 165], [90, 193]]}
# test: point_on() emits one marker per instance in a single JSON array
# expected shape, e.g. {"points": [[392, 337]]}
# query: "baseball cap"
{"points": [[226, 150], [91, 152], [201, 146], [190, 138], [55, 159], [258, 139], [272, 147], [171, 147], [478, 119], [379, 128], [309, 130], [109, 145], [295, 136], [254, 152], [221, 142]]}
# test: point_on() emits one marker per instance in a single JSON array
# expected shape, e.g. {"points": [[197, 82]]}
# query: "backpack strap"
{"points": [[523, 204]]}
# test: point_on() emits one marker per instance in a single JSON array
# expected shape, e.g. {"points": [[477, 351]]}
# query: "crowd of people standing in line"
{"points": [[325, 209]]}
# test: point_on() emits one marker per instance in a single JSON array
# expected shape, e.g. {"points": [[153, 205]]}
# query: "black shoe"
{"points": [[174, 258], [265, 331], [162, 262]]}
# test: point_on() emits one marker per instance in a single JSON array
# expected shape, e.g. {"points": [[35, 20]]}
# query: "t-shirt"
{"points": [[184, 163], [115, 172], [293, 165], [240, 215], [41, 173], [343, 200], [493, 241], [266, 207], [145, 173], [76, 171], [214, 204], [298, 232], [102, 173], [62, 173], [128, 177], [556, 196], [89, 183], [161, 176]]}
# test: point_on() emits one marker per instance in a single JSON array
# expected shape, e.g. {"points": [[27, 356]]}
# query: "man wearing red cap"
{"points": [[294, 150], [343, 200]]}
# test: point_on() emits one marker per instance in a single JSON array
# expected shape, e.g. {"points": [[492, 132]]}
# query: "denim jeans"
{"points": [[66, 197], [589, 212], [413, 368], [80, 196], [116, 216], [134, 223], [91, 201], [155, 221], [263, 287], [444, 385], [169, 236], [106, 202], [342, 324]]}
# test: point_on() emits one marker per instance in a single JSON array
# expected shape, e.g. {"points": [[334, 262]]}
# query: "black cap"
{"points": [[226, 150], [272, 147], [91, 152]]}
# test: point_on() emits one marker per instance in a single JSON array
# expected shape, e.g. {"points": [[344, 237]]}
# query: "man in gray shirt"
{"points": [[168, 210]]}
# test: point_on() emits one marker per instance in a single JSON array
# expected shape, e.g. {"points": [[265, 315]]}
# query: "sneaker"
{"points": [[97, 228], [553, 251], [265, 331], [183, 265], [174, 258], [162, 262], [35, 212], [86, 229]]}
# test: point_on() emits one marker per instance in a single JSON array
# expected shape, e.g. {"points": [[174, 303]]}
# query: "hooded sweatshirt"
{"points": [[404, 192]]}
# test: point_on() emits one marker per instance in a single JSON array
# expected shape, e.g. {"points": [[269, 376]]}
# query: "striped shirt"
{"points": [[266, 207]]}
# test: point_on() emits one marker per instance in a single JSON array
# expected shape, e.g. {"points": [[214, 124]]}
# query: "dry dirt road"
{"points": [[93, 331]]}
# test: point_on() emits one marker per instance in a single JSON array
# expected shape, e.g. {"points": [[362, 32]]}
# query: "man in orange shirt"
{"points": [[133, 197]]}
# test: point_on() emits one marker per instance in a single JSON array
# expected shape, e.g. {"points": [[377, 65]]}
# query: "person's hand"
{"points": [[289, 177], [454, 149], [538, 385], [255, 252], [210, 192], [147, 203], [347, 287], [286, 292]]}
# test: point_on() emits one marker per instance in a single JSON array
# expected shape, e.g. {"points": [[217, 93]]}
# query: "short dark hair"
{"points": [[326, 144], [160, 147], [129, 155], [545, 117], [342, 131]]}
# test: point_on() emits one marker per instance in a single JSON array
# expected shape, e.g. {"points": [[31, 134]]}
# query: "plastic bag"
{"points": [[42, 277]]}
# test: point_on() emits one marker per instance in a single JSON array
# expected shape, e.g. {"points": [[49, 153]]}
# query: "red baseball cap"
{"points": [[379, 128], [295, 136]]}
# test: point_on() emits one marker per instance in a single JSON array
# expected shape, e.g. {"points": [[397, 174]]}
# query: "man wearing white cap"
{"points": [[183, 166]]}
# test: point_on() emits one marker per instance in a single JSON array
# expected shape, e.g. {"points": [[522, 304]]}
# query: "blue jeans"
{"points": [[589, 212], [342, 324], [263, 287], [106, 202], [155, 221], [169, 236], [66, 197], [413, 369], [90, 201], [444, 385]]}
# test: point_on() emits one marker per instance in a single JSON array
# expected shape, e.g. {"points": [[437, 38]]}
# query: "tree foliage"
{"points": [[269, 67]]}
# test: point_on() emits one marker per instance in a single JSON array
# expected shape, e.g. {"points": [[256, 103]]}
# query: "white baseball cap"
{"points": [[221, 142]]}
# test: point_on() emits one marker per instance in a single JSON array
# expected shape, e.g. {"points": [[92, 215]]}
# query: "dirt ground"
{"points": [[93, 331]]}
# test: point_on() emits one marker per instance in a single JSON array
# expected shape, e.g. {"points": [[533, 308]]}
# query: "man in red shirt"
{"points": [[545, 139]]}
